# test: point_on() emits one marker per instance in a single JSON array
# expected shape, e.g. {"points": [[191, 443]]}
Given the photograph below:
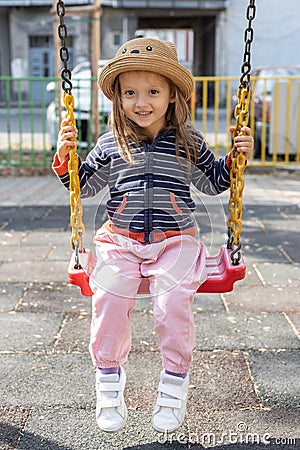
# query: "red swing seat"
{"points": [[80, 276], [221, 273]]}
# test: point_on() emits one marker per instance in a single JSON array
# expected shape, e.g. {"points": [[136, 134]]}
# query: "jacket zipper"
{"points": [[148, 201]]}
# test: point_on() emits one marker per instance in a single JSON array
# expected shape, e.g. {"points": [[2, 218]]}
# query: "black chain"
{"points": [[248, 39], [241, 115], [66, 74], [235, 254]]}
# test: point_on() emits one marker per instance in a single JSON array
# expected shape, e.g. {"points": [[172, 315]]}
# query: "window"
{"points": [[117, 39], [40, 41]]}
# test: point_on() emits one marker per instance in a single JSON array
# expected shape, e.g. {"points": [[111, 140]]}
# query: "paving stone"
{"points": [[18, 254], [144, 337], [68, 380], [57, 217], [60, 253], [54, 297], [34, 271], [254, 236], [220, 381], [217, 380], [265, 299], [46, 221], [143, 374], [284, 224], [12, 423], [277, 377], [46, 380], [76, 429], [273, 246], [54, 238], [202, 302], [278, 237], [288, 216], [243, 331], [76, 331], [260, 330], [11, 187], [10, 294], [5, 217], [143, 303], [24, 332], [263, 253], [295, 319], [270, 212], [75, 335], [208, 303], [21, 218], [42, 245], [27, 190], [280, 275], [11, 238], [293, 250]]}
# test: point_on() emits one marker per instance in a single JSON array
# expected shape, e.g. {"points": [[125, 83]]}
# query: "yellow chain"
{"points": [[75, 200], [235, 204]]}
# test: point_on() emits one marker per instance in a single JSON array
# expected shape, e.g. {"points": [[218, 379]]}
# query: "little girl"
{"points": [[149, 161]]}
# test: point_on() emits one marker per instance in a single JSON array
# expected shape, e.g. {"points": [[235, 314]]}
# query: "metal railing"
{"points": [[274, 116], [29, 118]]}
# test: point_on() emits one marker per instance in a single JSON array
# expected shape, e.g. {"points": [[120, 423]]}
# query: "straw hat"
{"points": [[150, 55]]}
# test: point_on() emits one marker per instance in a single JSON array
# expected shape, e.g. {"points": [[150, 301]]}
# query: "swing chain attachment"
{"points": [[248, 39], [241, 112], [66, 73], [68, 100], [235, 254], [238, 160]]}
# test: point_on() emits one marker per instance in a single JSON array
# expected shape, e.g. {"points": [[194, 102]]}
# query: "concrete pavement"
{"points": [[245, 378]]}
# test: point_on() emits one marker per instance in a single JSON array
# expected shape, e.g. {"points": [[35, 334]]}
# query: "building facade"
{"points": [[208, 33]]}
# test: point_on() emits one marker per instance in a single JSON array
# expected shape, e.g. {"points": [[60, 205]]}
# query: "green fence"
{"points": [[29, 118], [23, 122]]}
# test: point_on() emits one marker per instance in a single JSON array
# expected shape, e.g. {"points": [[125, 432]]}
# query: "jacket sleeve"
{"points": [[210, 176], [93, 173]]}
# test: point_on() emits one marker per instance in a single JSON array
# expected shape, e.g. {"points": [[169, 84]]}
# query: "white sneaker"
{"points": [[111, 411], [170, 406]]}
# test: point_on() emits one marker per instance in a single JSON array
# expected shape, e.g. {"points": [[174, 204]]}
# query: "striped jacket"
{"points": [[151, 199]]}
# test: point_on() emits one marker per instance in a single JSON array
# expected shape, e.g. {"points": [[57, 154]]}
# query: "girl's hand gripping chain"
{"points": [[67, 137], [244, 142]]}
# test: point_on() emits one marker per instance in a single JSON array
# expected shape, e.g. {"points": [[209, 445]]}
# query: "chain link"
{"points": [[66, 73], [241, 114], [248, 39], [68, 100], [75, 200]]}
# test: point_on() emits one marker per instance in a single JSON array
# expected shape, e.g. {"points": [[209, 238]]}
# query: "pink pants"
{"points": [[175, 267]]}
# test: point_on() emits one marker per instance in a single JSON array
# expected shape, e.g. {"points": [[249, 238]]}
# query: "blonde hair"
{"points": [[128, 134]]}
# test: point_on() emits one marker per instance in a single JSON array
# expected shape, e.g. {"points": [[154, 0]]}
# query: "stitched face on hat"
{"points": [[151, 55], [150, 48]]}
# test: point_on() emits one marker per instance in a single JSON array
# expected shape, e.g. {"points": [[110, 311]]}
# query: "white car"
{"points": [[82, 93]]}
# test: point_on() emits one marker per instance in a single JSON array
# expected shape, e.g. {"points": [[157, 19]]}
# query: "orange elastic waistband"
{"points": [[156, 236]]}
